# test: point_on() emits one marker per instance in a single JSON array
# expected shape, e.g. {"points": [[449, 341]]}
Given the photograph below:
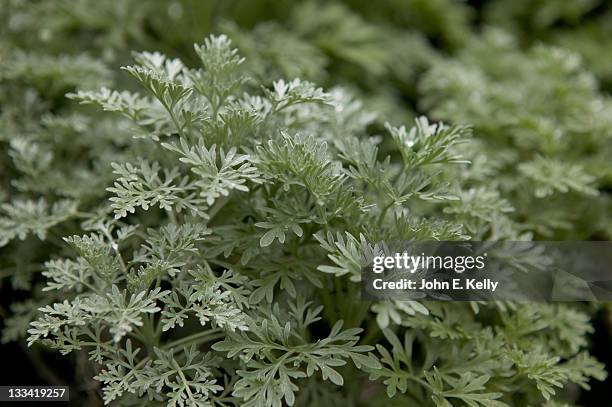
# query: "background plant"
{"points": [[227, 210]]}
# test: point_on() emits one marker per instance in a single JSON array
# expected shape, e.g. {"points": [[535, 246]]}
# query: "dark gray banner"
{"points": [[489, 271], [34, 393]]}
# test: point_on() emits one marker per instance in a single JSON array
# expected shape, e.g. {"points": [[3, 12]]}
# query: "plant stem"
{"points": [[373, 332], [199, 337], [381, 218]]}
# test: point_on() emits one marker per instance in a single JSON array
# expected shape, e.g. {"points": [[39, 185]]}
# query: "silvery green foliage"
{"points": [[543, 131], [331, 43], [189, 288]]}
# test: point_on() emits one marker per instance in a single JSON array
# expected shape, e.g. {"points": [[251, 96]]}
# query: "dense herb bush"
{"points": [[318, 41], [544, 129], [198, 237]]}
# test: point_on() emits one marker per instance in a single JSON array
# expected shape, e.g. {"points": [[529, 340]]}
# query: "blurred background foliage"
{"points": [[531, 76], [380, 47]]}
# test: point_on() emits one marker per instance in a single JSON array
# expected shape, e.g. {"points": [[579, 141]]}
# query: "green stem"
{"points": [[329, 308], [373, 332], [149, 334], [339, 298], [170, 111], [383, 213], [199, 337], [217, 206]]}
